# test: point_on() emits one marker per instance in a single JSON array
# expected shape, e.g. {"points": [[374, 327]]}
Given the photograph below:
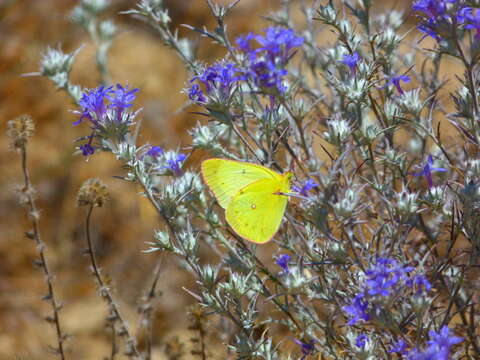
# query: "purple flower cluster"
{"points": [[427, 171], [396, 80], [165, 162], [382, 280], [105, 109], [267, 56], [283, 261], [155, 151], [439, 346], [307, 348], [267, 61], [305, 187], [437, 17], [351, 61], [361, 341], [174, 164], [95, 109], [220, 78]]}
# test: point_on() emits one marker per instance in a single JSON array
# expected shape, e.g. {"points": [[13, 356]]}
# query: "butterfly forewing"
{"points": [[256, 211], [227, 177]]}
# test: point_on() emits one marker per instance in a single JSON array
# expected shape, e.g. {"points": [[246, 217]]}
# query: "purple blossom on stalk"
{"points": [[427, 171], [361, 341], [282, 261], [87, 149], [307, 348], [439, 347], [436, 14], [154, 151], [399, 347], [420, 283], [265, 74], [121, 99], [104, 107], [220, 76], [278, 43], [93, 106], [443, 340], [307, 186], [351, 61], [244, 43], [472, 20], [381, 281], [196, 94], [357, 310], [174, 164], [396, 80], [385, 276], [464, 14], [431, 8], [266, 63]]}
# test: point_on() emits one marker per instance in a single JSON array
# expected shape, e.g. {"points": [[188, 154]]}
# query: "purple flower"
{"points": [[472, 21], [395, 80], [420, 283], [439, 347], [282, 261], [266, 63], [399, 347], [385, 276], [244, 43], [464, 14], [196, 94], [122, 99], [351, 61], [105, 109], [427, 171], [87, 149], [357, 310], [437, 16], [265, 74], [278, 43], [305, 188], [174, 164], [431, 8], [443, 339], [306, 347], [361, 341], [155, 151], [93, 105], [220, 76]]}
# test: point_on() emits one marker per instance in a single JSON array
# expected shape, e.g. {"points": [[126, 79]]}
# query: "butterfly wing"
{"points": [[227, 177], [256, 211]]}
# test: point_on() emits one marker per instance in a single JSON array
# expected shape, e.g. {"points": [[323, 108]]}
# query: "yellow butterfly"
{"points": [[252, 195]]}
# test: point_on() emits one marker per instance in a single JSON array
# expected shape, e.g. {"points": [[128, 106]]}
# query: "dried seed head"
{"points": [[92, 193], [20, 129]]}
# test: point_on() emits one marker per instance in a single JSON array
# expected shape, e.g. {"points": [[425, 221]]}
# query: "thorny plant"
{"points": [[378, 257]]}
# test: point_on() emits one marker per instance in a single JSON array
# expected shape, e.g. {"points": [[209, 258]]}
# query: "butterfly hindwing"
{"points": [[227, 177], [256, 211]]}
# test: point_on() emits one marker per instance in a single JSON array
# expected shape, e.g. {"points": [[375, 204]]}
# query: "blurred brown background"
{"points": [[121, 228]]}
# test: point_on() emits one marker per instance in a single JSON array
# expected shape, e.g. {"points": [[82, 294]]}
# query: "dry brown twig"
{"points": [[20, 130]]}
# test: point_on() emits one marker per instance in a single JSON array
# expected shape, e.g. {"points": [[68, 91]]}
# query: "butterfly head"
{"points": [[287, 178]]}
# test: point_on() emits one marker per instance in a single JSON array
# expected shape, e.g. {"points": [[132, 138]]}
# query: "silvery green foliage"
{"points": [[361, 127], [86, 14]]}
